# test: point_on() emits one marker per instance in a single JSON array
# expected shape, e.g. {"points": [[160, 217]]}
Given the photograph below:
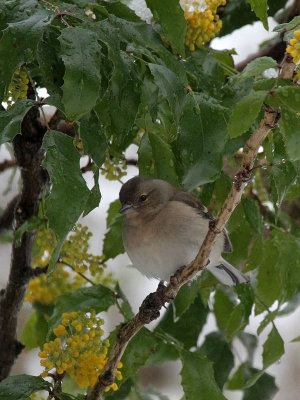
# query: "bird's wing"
{"points": [[193, 201]]}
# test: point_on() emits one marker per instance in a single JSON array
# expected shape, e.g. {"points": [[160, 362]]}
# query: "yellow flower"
{"points": [[60, 331]]}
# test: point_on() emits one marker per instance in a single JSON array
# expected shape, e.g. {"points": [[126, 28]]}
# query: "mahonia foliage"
{"points": [[118, 80]]}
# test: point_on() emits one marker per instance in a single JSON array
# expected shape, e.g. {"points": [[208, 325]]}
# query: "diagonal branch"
{"points": [[151, 306]]}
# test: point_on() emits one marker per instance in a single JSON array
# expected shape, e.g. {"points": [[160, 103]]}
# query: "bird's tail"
{"points": [[227, 274]]}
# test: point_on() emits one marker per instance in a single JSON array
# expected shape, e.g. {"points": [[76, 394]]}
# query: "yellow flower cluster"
{"points": [[294, 48], [78, 349], [46, 288], [75, 251], [17, 89], [114, 169], [202, 26]]}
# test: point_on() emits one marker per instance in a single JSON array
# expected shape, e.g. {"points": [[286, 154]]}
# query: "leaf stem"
{"points": [[77, 272]]}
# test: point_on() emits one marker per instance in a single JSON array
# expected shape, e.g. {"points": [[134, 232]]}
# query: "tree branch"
{"points": [[151, 306], [29, 156], [276, 47], [7, 164]]}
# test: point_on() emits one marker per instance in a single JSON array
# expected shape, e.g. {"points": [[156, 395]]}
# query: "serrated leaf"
{"points": [[223, 307], [268, 288], [26, 22], [113, 240], [252, 214], [94, 196], [171, 19], [20, 387], [171, 87], [265, 388], [11, 119], [93, 139], [289, 25], [98, 298], [200, 143], [139, 349], [245, 113], [81, 54], [119, 105], [289, 97], [258, 66], [217, 349], [164, 160], [273, 348], [239, 317], [290, 127], [125, 305], [187, 328], [265, 322], [198, 380], [282, 177], [185, 297], [260, 8], [69, 192]]}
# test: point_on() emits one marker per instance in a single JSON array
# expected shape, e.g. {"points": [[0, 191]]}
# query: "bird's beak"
{"points": [[127, 209]]}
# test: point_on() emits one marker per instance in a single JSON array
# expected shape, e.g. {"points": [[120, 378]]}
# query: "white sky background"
{"points": [[245, 41]]}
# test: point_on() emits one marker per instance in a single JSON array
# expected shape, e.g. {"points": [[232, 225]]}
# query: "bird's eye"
{"points": [[143, 197]]}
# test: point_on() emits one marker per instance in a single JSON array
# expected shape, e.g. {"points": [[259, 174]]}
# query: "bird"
{"points": [[163, 230]]}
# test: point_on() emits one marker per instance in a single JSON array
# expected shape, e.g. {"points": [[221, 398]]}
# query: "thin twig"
{"points": [[151, 306], [6, 164]]}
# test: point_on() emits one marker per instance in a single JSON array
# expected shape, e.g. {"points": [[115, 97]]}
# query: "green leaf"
{"points": [[217, 349], [20, 387], [26, 22], [31, 224], [198, 380], [200, 142], [93, 139], [171, 87], [245, 113], [239, 318], [81, 54], [69, 192], [139, 349], [265, 388], [11, 119], [260, 8], [194, 318], [118, 107], [125, 305], [185, 297], [273, 348], [98, 298], [258, 66], [252, 214], [164, 160], [265, 322], [113, 240], [94, 197], [289, 25], [28, 337], [223, 307], [282, 177], [171, 19], [289, 97], [290, 128]]}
